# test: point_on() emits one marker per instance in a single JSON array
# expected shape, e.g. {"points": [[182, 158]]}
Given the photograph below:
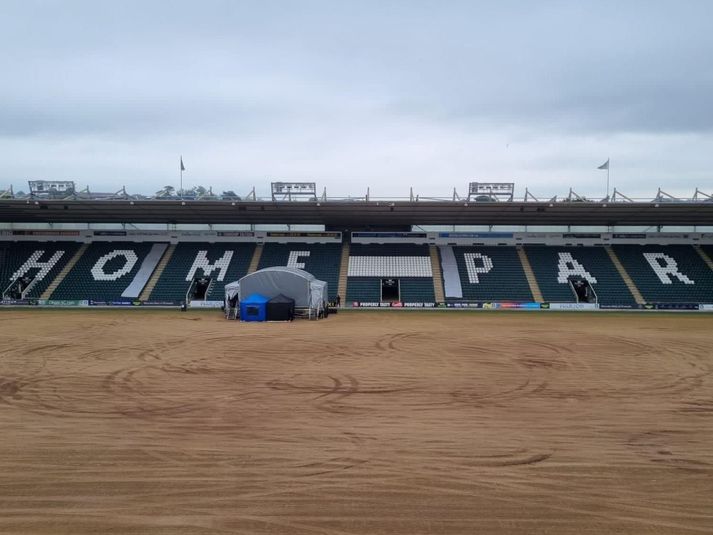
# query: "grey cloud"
{"points": [[360, 91]]}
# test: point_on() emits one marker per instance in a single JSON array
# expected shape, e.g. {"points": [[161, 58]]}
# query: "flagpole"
{"points": [[181, 188]]}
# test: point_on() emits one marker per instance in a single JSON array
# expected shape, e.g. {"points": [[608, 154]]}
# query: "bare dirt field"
{"points": [[159, 422]]}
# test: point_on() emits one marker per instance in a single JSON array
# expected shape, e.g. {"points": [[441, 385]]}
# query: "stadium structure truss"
{"points": [[492, 204]]}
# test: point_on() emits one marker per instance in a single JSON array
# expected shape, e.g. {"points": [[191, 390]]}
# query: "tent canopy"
{"points": [[255, 299], [303, 287], [281, 299]]}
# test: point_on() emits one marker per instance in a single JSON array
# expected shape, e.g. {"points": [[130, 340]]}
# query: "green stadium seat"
{"points": [[491, 274], [103, 272], [321, 260], [41, 260], [668, 273], [223, 262], [580, 261], [370, 263]]}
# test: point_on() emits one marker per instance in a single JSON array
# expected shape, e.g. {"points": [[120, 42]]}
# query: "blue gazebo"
{"points": [[254, 308]]}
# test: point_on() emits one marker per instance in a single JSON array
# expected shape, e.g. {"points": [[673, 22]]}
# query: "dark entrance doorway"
{"points": [[200, 288], [390, 290]]}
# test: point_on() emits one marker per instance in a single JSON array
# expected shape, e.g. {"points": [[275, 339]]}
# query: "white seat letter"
{"points": [[33, 262], [486, 264], [293, 260], [130, 260], [666, 268], [569, 267], [202, 262]]}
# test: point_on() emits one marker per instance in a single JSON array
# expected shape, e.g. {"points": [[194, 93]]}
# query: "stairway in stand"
{"points": [[530, 275], [636, 294], [438, 292], [255, 261], [47, 294], [704, 256], [343, 272], [156, 275]]}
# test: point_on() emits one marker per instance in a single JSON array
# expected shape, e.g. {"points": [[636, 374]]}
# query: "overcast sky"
{"points": [[355, 94]]}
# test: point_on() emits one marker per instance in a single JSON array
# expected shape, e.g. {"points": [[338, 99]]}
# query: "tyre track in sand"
{"points": [[368, 423]]}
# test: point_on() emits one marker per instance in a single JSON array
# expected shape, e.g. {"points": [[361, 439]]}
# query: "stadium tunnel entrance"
{"points": [[583, 291], [390, 290], [20, 287], [199, 288]]}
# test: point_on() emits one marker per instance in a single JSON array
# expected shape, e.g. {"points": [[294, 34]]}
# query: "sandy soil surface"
{"points": [[377, 423]]}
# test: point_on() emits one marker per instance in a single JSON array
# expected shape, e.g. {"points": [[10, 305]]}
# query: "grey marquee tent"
{"points": [[307, 291]]}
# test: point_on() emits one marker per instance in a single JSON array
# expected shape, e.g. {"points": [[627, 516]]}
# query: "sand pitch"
{"points": [[367, 423]]}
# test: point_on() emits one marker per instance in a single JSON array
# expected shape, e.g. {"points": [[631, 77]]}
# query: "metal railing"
{"points": [[202, 194]]}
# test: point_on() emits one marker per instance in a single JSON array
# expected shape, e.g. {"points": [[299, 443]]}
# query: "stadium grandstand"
{"points": [[63, 247]]}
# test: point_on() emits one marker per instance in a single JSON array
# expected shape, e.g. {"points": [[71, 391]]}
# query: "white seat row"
{"points": [[390, 266]]}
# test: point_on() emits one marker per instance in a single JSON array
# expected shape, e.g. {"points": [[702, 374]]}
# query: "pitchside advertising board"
{"points": [[574, 306], [18, 302], [537, 306], [71, 303], [493, 305], [205, 304], [63, 302], [462, 305], [134, 303], [376, 304], [677, 306]]}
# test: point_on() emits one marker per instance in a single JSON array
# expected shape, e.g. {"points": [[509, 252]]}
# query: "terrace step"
{"points": [[530, 275], [438, 292], [343, 272], [47, 294], [156, 275], [704, 256], [255, 262], [636, 294]]}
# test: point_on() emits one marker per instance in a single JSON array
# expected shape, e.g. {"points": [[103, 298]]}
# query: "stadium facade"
{"points": [[480, 251]]}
